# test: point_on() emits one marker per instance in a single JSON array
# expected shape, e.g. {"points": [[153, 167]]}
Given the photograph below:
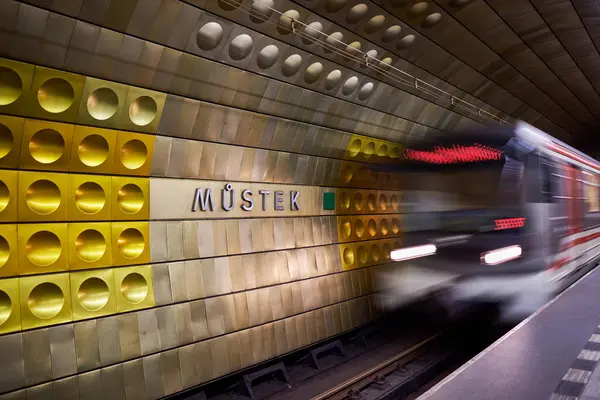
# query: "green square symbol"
{"points": [[329, 201]]}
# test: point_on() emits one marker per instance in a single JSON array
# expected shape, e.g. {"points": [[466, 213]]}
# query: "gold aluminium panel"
{"points": [[42, 248], [15, 80], [46, 145], [93, 150], [45, 300], [89, 198], [93, 293], [11, 133], [42, 196], [102, 103], [10, 311], [133, 154], [89, 245], [133, 288], [9, 183], [130, 198], [143, 110], [8, 250], [55, 94], [130, 243]]}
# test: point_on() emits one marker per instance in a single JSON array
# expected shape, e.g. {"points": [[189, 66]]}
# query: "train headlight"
{"points": [[502, 255], [413, 252]]}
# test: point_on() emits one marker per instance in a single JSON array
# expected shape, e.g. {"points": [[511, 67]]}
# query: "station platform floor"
{"points": [[553, 354]]}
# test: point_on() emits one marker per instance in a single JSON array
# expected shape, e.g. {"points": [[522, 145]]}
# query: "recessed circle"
{"points": [[382, 151], [261, 10], [4, 196], [6, 139], [11, 86], [134, 288], [333, 79], [46, 146], [90, 198], [134, 154], [131, 243], [354, 48], [313, 72], [372, 227], [130, 198], [385, 63], [394, 202], [386, 251], [4, 251], [346, 229], [371, 202], [345, 201], [375, 23], [391, 33], [395, 152], [375, 253], [418, 9], [284, 26], [334, 41], [347, 175], [5, 307], [395, 226], [405, 42], [369, 151], [93, 294], [143, 110], [384, 228], [56, 95], [349, 256], [90, 245], [359, 228], [354, 148], [43, 197], [312, 32], [383, 202], [365, 91], [93, 150], [291, 65], [102, 103], [350, 85], [46, 300], [357, 13], [363, 255], [431, 20], [267, 56], [240, 47], [43, 248], [359, 202], [335, 5], [209, 36]]}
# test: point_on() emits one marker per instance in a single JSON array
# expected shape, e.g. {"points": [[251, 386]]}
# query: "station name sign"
{"points": [[204, 200]]}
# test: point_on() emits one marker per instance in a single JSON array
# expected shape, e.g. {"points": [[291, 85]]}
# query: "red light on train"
{"points": [[455, 154], [509, 223]]}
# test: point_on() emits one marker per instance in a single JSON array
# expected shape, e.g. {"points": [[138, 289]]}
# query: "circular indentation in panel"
{"points": [[130, 198], [386, 251], [209, 36], [346, 229], [335, 5], [385, 63], [405, 42], [349, 256], [371, 206], [10, 86], [102, 103], [56, 95], [391, 33], [43, 197], [5, 307], [345, 201], [261, 10], [46, 146], [382, 151], [43, 248], [375, 253], [93, 294], [365, 91], [347, 175], [312, 32], [134, 154], [284, 26], [359, 202], [372, 228], [418, 9], [384, 228], [134, 288], [90, 245], [375, 24], [93, 150], [395, 226], [90, 198], [350, 86], [369, 150], [357, 13], [4, 251], [335, 40], [143, 110], [395, 152], [313, 72], [6, 140], [371, 55], [333, 79], [382, 202], [131, 243], [394, 202], [363, 255], [4, 196], [354, 148], [240, 47], [291, 65], [267, 56], [46, 300], [359, 228], [431, 20]]}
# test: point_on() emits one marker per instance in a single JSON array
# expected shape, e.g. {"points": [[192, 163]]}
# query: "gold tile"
{"points": [[8, 250], [9, 183], [133, 288], [45, 300], [142, 111], [15, 79], [102, 103], [92, 293], [11, 134], [89, 245], [42, 248], [133, 154], [348, 256], [89, 198], [10, 316], [130, 198], [93, 150], [130, 243], [46, 145], [42, 196]]}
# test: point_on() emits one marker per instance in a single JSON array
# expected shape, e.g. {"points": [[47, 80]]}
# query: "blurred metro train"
{"points": [[509, 216]]}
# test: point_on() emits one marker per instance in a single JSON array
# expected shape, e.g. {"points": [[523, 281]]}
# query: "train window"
{"points": [[545, 178], [590, 192]]}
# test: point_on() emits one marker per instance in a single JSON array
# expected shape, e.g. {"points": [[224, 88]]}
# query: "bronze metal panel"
{"points": [[189, 366], [171, 371], [258, 235], [287, 299], [254, 307], [148, 328], [215, 316], [113, 382], [236, 271], [129, 336], [311, 327], [259, 166], [177, 157], [324, 290], [152, 376], [320, 324], [332, 288], [242, 320], [281, 337], [223, 275], [194, 282], [232, 229], [190, 240], [268, 234], [308, 295], [276, 302], [246, 165], [292, 264], [36, 356], [67, 388], [229, 317], [133, 376], [265, 307], [175, 240], [221, 161], [320, 260], [219, 234], [86, 343], [183, 321], [299, 232], [270, 340], [292, 333], [317, 233], [203, 356], [161, 284], [209, 277], [303, 338], [345, 311], [337, 318], [339, 278], [41, 392], [12, 362], [160, 157], [233, 351], [108, 340], [62, 351], [245, 226], [178, 279], [206, 246], [250, 273], [271, 268], [297, 297], [90, 385], [246, 351], [279, 233], [328, 320], [207, 160], [218, 352], [311, 261], [199, 320], [283, 272], [192, 159], [18, 395], [167, 328]]}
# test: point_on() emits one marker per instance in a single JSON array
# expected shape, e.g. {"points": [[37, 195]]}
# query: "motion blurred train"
{"points": [[509, 216]]}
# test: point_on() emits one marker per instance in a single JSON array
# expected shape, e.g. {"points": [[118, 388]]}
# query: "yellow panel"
{"points": [[130, 198], [55, 94], [133, 155], [130, 243], [89, 245], [15, 80], [93, 293], [93, 150], [11, 133], [46, 145], [89, 198], [42, 196], [363, 257], [45, 300], [133, 288], [42, 248], [9, 258], [10, 311], [102, 103], [143, 110], [9, 184], [348, 256]]}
